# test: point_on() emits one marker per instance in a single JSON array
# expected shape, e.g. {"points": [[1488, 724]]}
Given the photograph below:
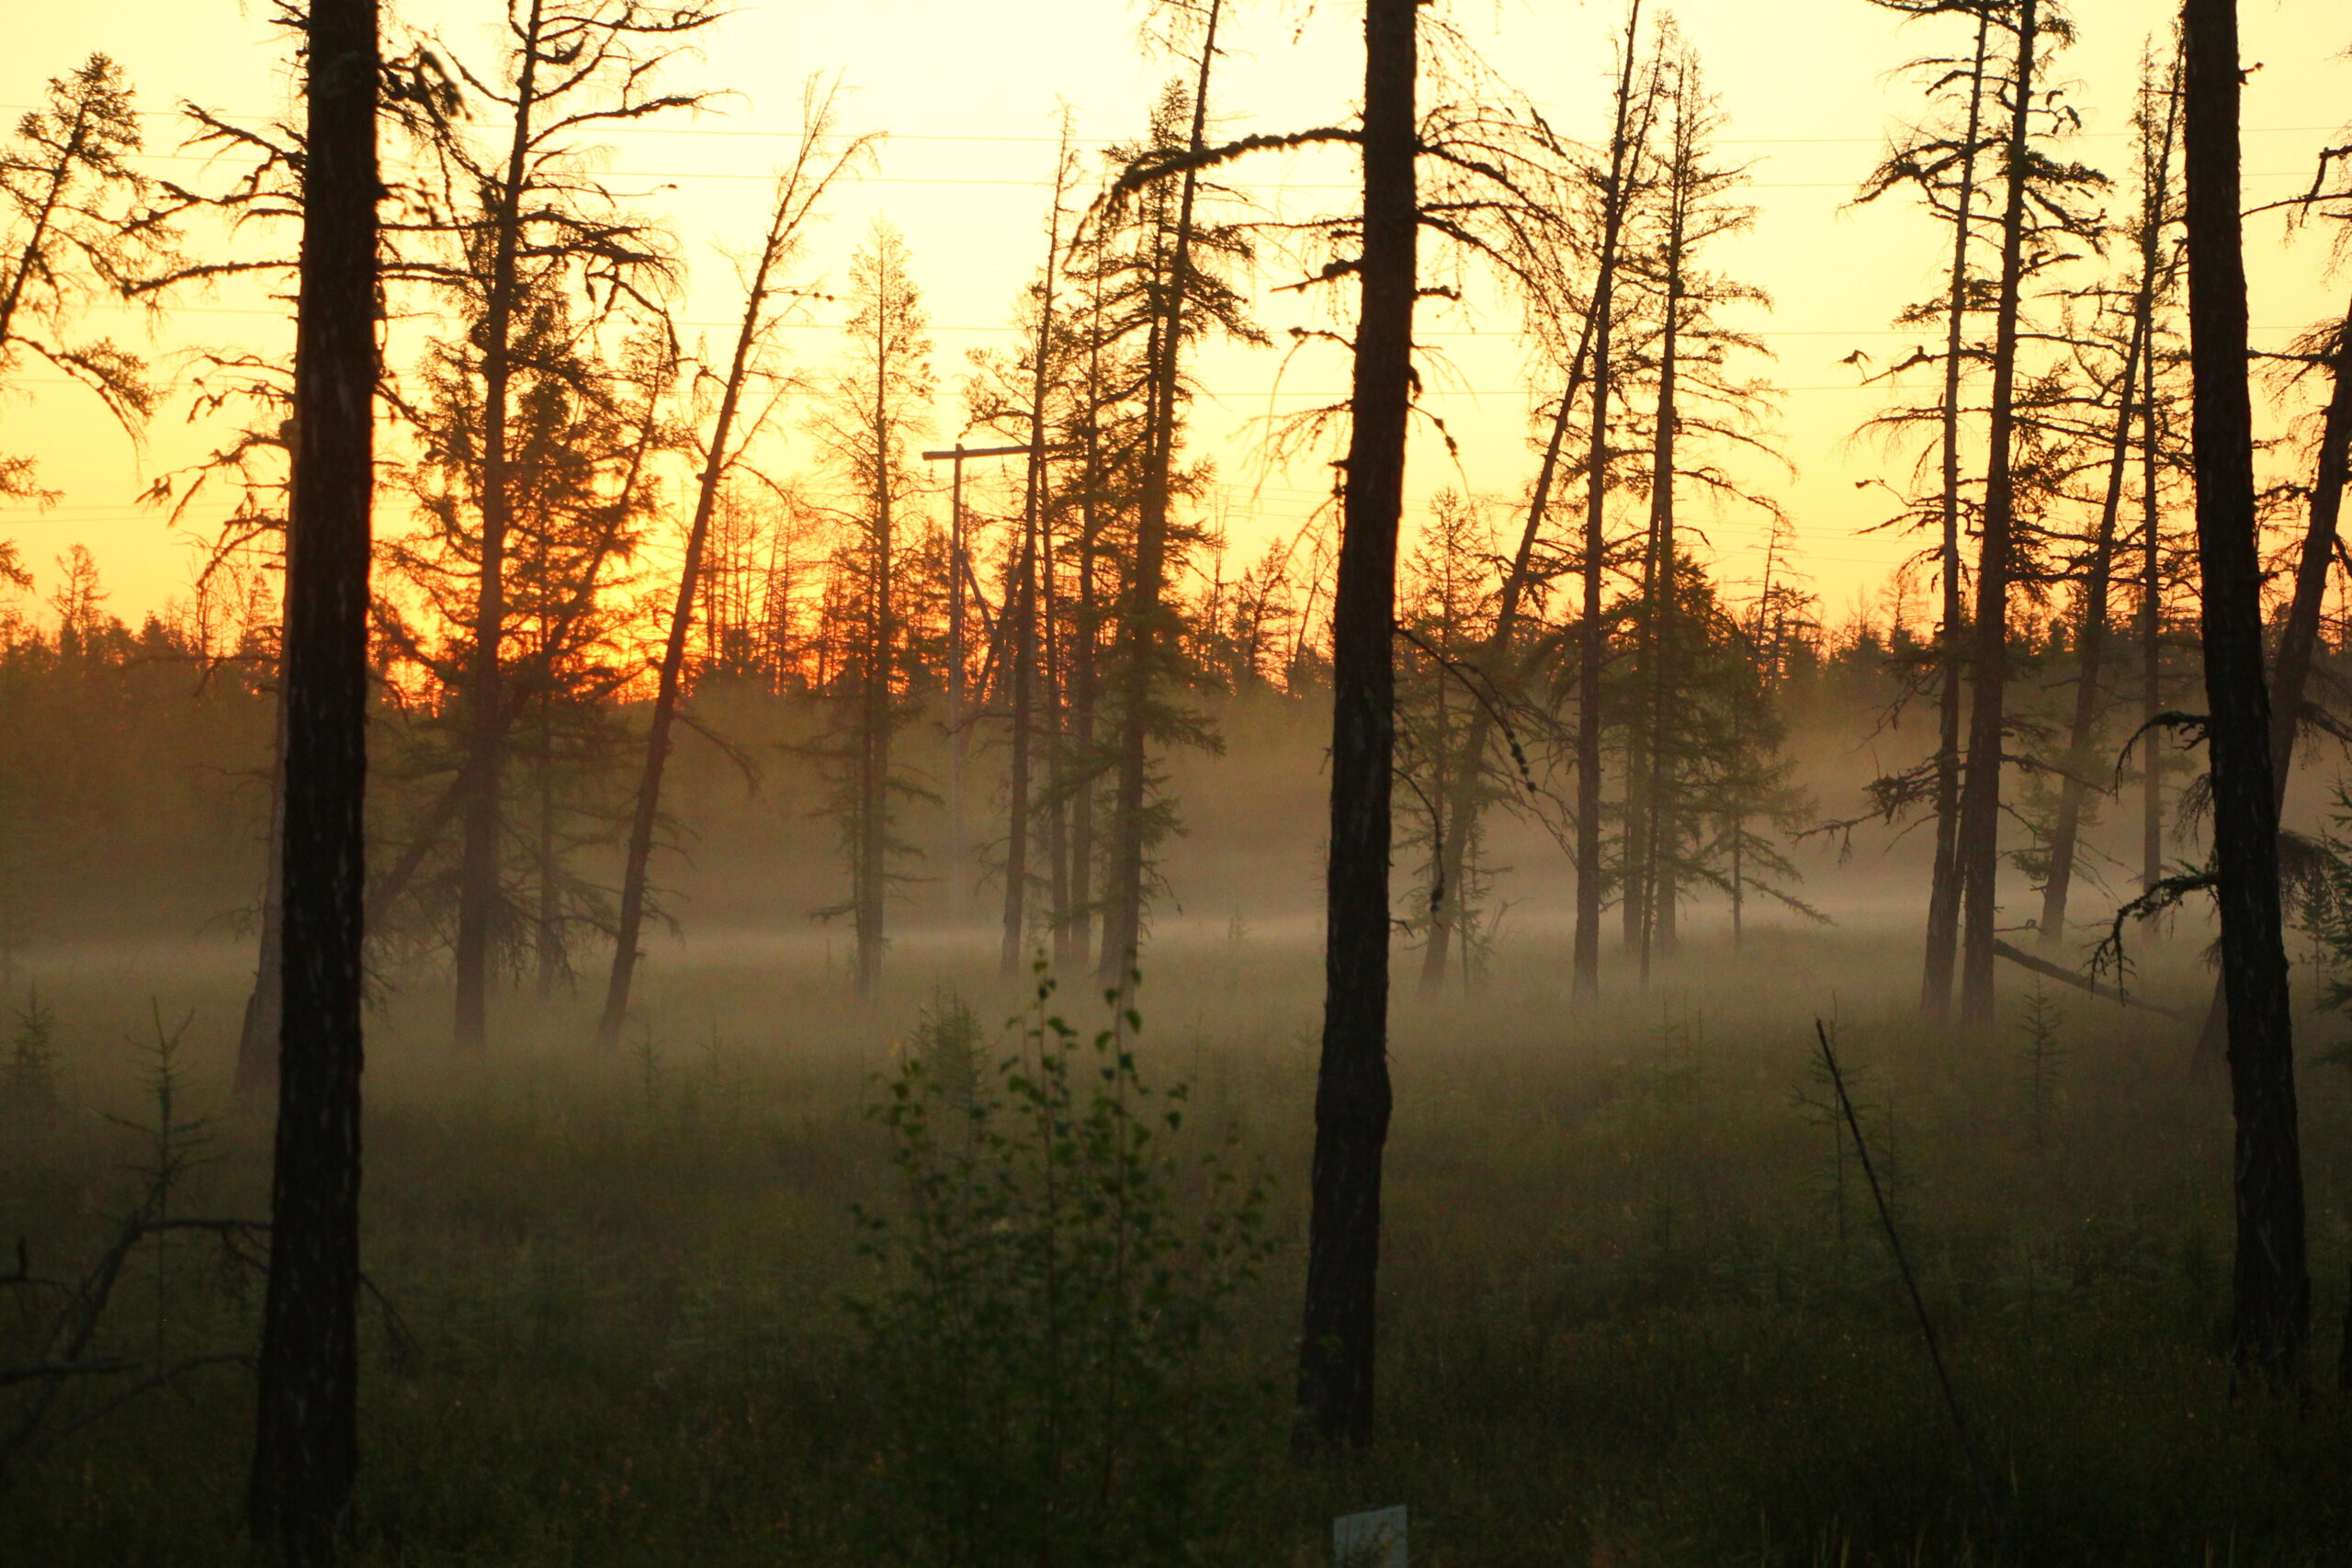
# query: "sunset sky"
{"points": [[969, 95]]}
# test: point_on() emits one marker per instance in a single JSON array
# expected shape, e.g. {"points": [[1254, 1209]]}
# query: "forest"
{"points": [[1296, 905]]}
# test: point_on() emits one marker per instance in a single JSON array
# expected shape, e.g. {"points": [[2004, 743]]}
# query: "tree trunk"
{"points": [[2155, 202], [486, 723], [306, 1445], [2090, 651], [957, 723], [2271, 1319], [546, 927], [1055, 644], [1633, 855], [1593, 635], [874, 719], [1085, 633], [1943, 894], [1977, 849], [257, 1040], [1023, 657], [1026, 651], [2151, 621], [1352, 1096], [1660, 893], [1124, 876]]}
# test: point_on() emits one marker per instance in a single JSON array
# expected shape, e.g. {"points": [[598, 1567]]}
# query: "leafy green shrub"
{"points": [[1048, 1334]]}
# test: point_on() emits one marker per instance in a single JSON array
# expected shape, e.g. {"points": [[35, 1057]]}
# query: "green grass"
{"points": [[1627, 1317]]}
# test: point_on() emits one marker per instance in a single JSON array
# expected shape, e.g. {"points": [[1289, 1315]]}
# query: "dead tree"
{"points": [[1977, 847], [2158, 120], [2298, 637], [799, 189], [1351, 1097], [1947, 168], [1628, 135]]}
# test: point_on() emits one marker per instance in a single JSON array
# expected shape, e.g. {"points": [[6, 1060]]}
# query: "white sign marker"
{"points": [[1374, 1538]]}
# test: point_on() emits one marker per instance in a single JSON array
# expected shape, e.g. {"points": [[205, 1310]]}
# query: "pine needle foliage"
{"points": [[30, 1085], [2043, 1055]]}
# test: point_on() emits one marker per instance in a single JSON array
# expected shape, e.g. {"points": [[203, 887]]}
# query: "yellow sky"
{"points": [[969, 96]]}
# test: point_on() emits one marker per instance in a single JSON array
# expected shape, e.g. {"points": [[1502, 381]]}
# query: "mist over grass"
{"points": [[1635, 1305]]}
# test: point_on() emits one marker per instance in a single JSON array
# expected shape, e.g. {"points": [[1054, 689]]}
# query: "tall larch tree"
{"points": [[532, 222], [2033, 187], [1698, 412], [1636, 109], [1144, 632], [1945, 164], [877, 404], [2156, 125]]}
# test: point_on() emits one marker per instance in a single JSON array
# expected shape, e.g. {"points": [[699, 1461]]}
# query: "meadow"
{"points": [[1637, 1306]]}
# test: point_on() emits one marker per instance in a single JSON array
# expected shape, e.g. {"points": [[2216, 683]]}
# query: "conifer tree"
{"points": [[80, 225], [2156, 125], [1636, 106], [2031, 183], [1143, 611], [1945, 164], [1352, 1095], [530, 229], [1446, 609], [1697, 407], [877, 402]]}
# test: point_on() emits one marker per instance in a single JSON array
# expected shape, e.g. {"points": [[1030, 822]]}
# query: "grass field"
{"points": [[1637, 1306]]}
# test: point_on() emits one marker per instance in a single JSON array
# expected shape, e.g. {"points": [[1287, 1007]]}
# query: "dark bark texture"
{"points": [[306, 1444], [2270, 1321], [1352, 1094]]}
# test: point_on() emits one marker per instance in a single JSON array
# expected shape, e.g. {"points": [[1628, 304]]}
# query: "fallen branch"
{"points": [[1995, 1515], [2080, 982], [60, 1369]]}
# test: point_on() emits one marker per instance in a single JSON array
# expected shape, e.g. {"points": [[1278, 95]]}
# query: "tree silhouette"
{"points": [[2270, 1323], [80, 226], [879, 399], [798, 190], [531, 224], [306, 1442]]}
